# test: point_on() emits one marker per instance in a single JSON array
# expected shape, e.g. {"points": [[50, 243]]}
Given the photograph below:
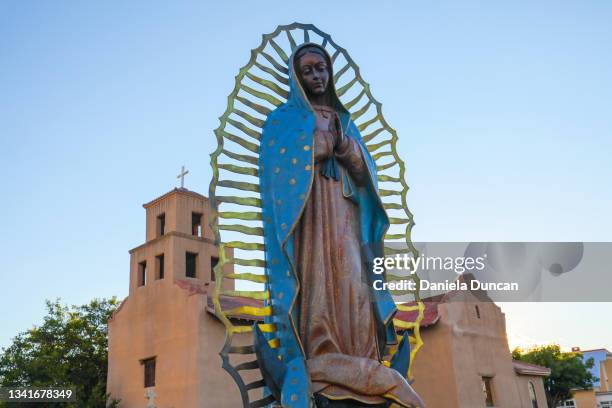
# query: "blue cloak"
{"points": [[285, 180]]}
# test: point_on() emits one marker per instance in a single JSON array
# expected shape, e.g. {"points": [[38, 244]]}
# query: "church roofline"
{"points": [[172, 234], [524, 368], [431, 315], [176, 190]]}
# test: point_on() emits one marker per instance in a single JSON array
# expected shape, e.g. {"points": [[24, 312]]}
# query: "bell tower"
{"points": [[179, 243], [164, 340]]}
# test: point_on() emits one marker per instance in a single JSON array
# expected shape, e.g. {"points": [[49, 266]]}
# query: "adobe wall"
{"points": [[522, 382], [605, 375], [480, 349], [433, 368], [585, 399], [185, 340]]}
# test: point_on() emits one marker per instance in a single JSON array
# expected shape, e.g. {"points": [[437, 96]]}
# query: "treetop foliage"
{"points": [[569, 371], [69, 349]]}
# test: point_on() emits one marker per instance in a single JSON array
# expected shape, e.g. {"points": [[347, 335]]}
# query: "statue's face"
{"points": [[314, 73]]}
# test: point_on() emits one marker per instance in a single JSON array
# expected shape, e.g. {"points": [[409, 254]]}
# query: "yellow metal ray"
{"points": [[274, 63], [268, 84], [385, 178], [249, 310], [393, 206], [251, 294], [375, 146], [292, 43], [279, 51], [239, 185], [247, 276], [384, 193], [245, 129], [249, 171], [267, 327], [394, 236], [240, 157], [243, 229], [244, 143], [283, 80], [247, 215], [349, 105], [372, 135], [386, 166], [394, 220], [261, 95], [248, 262], [255, 106], [359, 113], [247, 246], [249, 118], [364, 125], [381, 155], [249, 201], [343, 89], [341, 72]]}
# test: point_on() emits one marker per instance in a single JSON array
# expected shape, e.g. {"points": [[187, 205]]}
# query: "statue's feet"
{"points": [[339, 376], [322, 402]]}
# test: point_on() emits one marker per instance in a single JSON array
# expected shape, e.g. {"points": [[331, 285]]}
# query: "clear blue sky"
{"points": [[503, 110]]}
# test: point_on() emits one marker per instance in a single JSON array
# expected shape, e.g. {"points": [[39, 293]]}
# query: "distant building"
{"points": [[465, 360], [601, 368], [600, 396], [164, 339]]}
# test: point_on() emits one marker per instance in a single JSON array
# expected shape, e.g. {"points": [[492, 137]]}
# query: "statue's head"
{"points": [[312, 67]]}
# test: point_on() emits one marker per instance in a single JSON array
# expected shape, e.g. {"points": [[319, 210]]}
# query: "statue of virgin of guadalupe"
{"points": [[323, 225]]}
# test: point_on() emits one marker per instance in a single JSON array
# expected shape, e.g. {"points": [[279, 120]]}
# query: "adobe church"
{"points": [[164, 340]]}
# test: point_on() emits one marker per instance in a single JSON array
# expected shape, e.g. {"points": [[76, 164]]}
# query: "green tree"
{"points": [[569, 371], [70, 349]]}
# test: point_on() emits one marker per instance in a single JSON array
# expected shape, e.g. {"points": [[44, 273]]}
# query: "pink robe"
{"points": [[336, 318]]}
